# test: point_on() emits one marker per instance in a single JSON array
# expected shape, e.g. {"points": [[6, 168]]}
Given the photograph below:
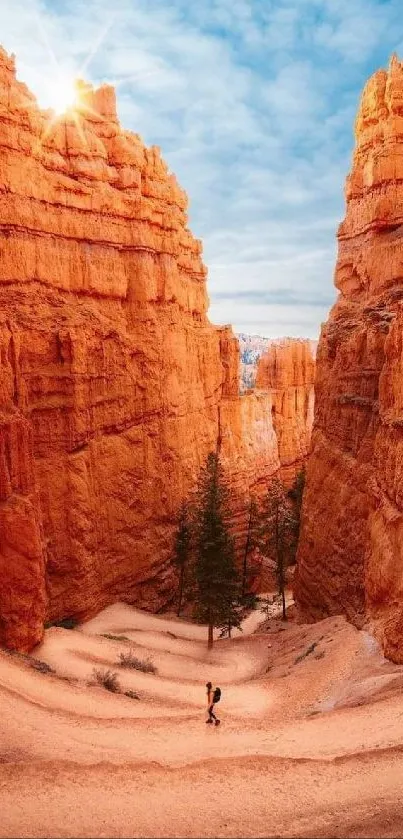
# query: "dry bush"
{"points": [[41, 666], [107, 679], [307, 652], [35, 663], [131, 694], [129, 659], [114, 637]]}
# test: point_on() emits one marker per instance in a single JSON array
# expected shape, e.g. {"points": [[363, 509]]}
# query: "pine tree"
{"points": [[297, 489], [296, 494], [182, 549], [278, 533], [216, 577], [252, 542]]}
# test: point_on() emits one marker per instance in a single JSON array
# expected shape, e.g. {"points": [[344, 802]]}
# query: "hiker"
{"points": [[212, 698]]}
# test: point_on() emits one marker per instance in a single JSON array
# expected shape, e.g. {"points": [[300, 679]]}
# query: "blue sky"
{"points": [[253, 104]]}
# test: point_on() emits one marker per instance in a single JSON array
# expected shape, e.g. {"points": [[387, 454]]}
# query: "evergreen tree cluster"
{"points": [[204, 552], [205, 555]]}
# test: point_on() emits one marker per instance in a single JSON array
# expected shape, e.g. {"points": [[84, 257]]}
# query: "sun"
{"points": [[62, 94]]}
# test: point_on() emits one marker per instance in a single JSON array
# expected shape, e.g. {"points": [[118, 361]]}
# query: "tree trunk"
{"points": [[283, 596], [210, 636], [180, 590]]}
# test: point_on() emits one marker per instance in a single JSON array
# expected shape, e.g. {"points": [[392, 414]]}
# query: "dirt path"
{"points": [[310, 742], [279, 798]]}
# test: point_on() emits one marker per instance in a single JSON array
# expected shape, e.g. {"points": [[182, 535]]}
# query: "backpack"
{"points": [[217, 695]]}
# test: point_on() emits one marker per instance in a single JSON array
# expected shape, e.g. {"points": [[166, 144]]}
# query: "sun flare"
{"points": [[63, 94]]}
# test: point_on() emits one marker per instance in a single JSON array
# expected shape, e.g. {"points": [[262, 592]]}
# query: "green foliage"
{"points": [[231, 612], [296, 495], [266, 604], [297, 490], [65, 623], [249, 568], [217, 586], [249, 601], [278, 532], [182, 550]]}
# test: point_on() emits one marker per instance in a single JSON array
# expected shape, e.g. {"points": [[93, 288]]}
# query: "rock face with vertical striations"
{"points": [[252, 348], [351, 551], [114, 386], [287, 371]]}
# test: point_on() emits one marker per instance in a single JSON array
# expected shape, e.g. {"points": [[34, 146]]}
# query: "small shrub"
{"points": [[250, 601], [265, 603], [107, 679], [129, 659], [35, 663], [65, 623], [131, 694], [307, 652], [114, 637], [41, 666]]}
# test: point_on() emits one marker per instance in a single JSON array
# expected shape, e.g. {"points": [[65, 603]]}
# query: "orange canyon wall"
{"points": [[351, 550], [287, 371], [114, 386]]}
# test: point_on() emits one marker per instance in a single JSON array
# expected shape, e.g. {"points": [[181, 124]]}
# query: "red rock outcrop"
{"points": [[351, 550], [114, 386], [287, 371], [251, 347]]}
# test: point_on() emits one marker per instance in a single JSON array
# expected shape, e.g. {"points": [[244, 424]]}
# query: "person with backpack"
{"points": [[212, 698]]}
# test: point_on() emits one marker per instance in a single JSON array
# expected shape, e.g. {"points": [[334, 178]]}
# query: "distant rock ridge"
{"points": [[351, 550], [252, 348]]}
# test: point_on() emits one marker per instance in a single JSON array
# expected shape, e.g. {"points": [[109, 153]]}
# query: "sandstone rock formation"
{"points": [[114, 386], [251, 348], [287, 371], [351, 552]]}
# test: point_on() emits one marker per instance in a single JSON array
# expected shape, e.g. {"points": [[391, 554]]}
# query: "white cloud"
{"points": [[252, 104]]}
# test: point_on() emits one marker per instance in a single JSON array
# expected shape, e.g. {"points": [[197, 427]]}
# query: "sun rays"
{"points": [[67, 100], [63, 94], [68, 97]]}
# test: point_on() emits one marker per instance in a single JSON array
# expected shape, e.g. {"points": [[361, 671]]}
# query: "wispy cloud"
{"points": [[252, 104]]}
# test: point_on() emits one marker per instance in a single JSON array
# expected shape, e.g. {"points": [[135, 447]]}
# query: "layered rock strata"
{"points": [[114, 386], [251, 347], [287, 371], [351, 551]]}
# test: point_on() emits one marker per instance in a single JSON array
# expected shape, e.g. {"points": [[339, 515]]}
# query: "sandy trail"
{"points": [[310, 715], [123, 619], [278, 798]]}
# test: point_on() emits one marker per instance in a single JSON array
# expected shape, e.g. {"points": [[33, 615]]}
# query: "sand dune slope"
{"points": [[311, 740]]}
